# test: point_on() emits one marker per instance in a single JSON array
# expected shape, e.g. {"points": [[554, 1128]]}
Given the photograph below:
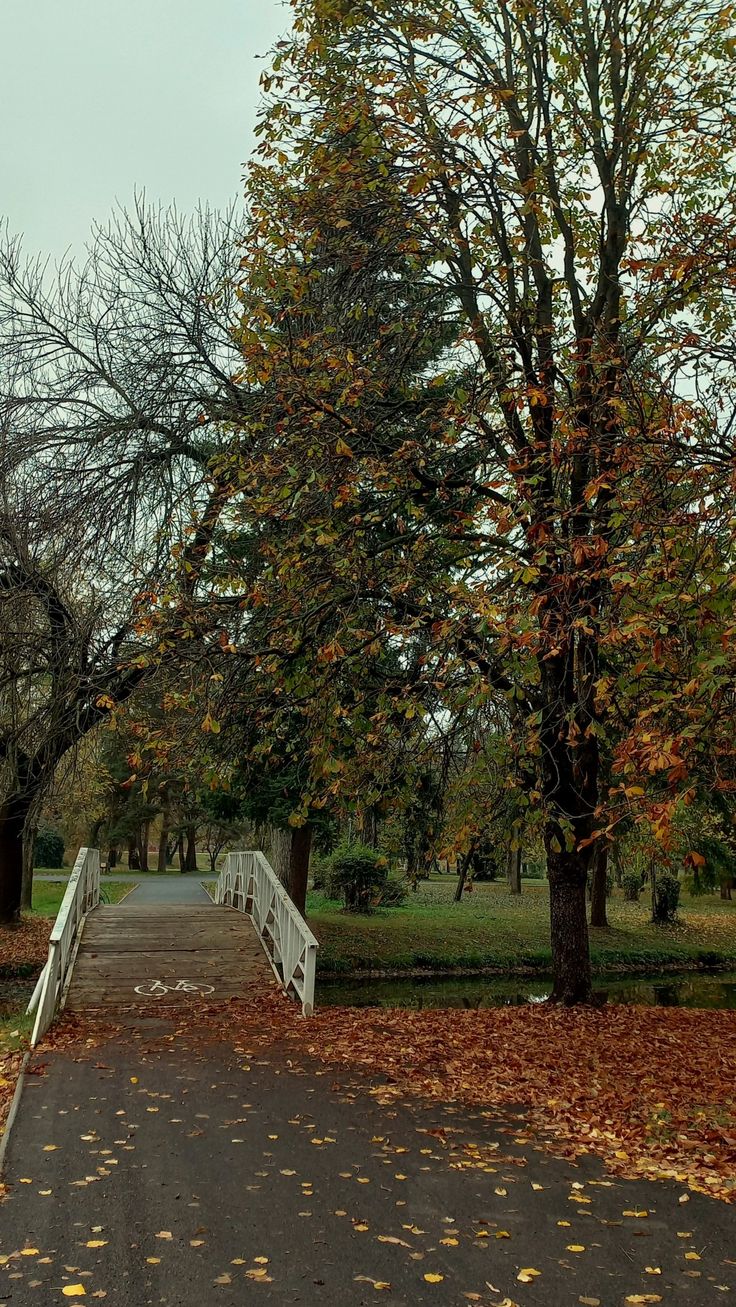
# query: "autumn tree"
{"points": [[552, 183]]}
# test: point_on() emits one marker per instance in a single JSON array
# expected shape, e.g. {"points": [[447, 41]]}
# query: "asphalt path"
{"points": [[161, 1170]]}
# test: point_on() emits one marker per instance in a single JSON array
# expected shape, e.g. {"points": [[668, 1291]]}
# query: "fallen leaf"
{"points": [[74, 1291], [433, 1278]]}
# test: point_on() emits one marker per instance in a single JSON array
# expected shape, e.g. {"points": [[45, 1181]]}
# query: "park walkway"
{"points": [[172, 1151], [187, 1170]]}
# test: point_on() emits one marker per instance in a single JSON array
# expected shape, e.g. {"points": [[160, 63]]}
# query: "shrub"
{"points": [[632, 886], [320, 870], [393, 894], [357, 875], [533, 870], [49, 849], [666, 898]]}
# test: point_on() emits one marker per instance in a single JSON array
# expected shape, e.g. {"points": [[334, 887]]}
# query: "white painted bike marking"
{"points": [[156, 988]]}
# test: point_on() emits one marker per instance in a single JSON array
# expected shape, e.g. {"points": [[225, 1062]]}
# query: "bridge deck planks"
{"points": [[126, 946]]}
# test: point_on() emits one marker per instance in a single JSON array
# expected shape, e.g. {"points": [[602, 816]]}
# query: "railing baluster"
{"points": [[249, 883], [81, 895]]}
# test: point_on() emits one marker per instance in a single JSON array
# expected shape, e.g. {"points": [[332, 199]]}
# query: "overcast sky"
{"points": [[100, 97]]}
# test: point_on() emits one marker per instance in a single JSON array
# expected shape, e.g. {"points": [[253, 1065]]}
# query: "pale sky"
{"points": [[99, 98]]}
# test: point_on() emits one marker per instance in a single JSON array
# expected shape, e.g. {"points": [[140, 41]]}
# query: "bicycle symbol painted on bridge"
{"points": [[157, 989]]}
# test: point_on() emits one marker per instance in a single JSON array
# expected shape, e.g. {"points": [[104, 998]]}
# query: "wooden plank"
{"points": [[124, 946]]}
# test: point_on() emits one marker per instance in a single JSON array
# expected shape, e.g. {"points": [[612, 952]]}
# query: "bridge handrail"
{"points": [[249, 883], [81, 895]]}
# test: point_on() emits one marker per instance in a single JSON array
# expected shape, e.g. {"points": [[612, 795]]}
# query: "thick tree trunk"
{"points": [[281, 853], [29, 849], [568, 873], [181, 855], [368, 829], [112, 857], [301, 848], [513, 870], [599, 873], [726, 887], [13, 814], [190, 860], [134, 857]]}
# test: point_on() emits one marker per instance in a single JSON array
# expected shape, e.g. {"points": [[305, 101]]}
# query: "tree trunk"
{"points": [[180, 852], [281, 853], [618, 868], [163, 840], [143, 845], [301, 847], [134, 857], [568, 873], [368, 830], [463, 867], [112, 857], [190, 859], [29, 849], [599, 873], [726, 887], [213, 859], [513, 870], [13, 814]]}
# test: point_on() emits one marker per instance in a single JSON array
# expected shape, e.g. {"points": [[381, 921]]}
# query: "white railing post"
{"points": [[248, 883], [81, 895]]}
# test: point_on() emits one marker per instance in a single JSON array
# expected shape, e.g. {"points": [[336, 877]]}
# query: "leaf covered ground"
{"points": [[208, 1154], [652, 1091]]}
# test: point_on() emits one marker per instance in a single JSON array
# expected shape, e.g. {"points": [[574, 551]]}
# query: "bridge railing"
{"points": [[249, 883], [81, 895]]}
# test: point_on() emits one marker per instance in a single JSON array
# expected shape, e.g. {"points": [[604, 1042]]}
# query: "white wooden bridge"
{"points": [[137, 956]]}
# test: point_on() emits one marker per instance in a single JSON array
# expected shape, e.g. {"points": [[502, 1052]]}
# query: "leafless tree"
{"points": [[119, 382]]}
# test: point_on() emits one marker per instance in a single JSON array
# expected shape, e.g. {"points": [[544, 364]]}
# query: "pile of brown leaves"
{"points": [[26, 945], [650, 1090]]}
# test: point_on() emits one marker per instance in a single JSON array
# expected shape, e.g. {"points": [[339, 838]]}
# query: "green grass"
{"points": [[490, 928], [15, 1027], [47, 895]]}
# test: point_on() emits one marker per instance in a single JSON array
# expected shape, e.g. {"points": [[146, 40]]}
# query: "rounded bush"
{"points": [[49, 849], [393, 894], [632, 886], [666, 898], [357, 876]]}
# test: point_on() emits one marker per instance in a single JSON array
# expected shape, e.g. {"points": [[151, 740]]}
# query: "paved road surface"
{"points": [[159, 1171], [168, 889]]}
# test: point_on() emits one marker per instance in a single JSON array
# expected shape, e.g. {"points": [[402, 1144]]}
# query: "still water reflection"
{"points": [[668, 989]]}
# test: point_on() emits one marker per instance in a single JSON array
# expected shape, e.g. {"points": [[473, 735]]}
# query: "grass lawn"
{"points": [[490, 928], [47, 895]]}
